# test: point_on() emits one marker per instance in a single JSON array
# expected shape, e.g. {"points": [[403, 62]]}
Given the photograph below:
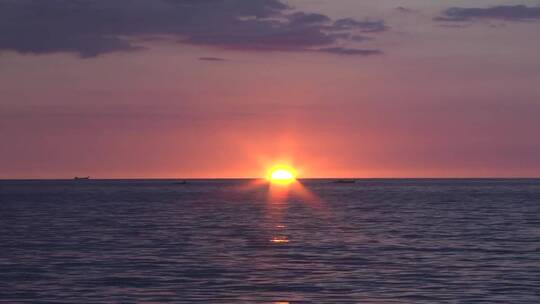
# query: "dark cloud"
{"points": [[364, 26], [350, 51], [304, 19], [212, 59], [502, 12], [404, 10], [93, 27]]}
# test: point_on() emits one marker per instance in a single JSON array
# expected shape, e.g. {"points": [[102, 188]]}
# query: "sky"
{"points": [[228, 88]]}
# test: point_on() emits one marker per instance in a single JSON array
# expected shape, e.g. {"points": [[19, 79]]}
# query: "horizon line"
{"points": [[252, 178]]}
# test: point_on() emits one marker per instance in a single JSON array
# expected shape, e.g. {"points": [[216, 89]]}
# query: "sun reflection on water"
{"points": [[280, 240], [281, 189]]}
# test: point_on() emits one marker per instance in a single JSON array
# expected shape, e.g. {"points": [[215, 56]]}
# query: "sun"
{"points": [[281, 175]]}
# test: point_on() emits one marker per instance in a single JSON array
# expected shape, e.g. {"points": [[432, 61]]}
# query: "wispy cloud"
{"points": [[350, 51], [404, 10], [212, 59], [502, 12]]}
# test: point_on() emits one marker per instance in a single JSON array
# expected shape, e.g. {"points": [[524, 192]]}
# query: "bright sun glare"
{"points": [[281, 175]]}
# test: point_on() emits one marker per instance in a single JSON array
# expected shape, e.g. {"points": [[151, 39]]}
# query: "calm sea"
{"points": [[235, 241]]}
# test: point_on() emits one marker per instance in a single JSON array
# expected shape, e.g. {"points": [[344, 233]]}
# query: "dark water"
{"points": [[376, 241]]}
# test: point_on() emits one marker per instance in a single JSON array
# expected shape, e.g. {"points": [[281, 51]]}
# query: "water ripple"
{"points": [[375, 241]]}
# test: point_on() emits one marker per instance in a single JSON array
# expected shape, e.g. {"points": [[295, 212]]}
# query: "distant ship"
{"points": [[345, 181], [81, 178]]}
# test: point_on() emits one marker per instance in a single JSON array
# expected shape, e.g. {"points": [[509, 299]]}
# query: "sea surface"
{"points": [[241, 241]]}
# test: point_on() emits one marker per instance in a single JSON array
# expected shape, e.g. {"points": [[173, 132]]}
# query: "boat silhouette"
{"points": [[81, 177], [345, 181]]}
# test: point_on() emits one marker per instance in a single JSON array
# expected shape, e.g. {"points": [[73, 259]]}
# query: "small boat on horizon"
{"points": [[81, 177], [345, 181]]}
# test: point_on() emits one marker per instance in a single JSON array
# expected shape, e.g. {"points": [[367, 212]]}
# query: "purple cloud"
{"points": [[350, 51], [364, 26], [502, 12], [212, 59], [404, 10], [93, 27]]}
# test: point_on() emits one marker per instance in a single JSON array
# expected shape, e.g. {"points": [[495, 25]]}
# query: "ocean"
{"points": [[235, 241]]}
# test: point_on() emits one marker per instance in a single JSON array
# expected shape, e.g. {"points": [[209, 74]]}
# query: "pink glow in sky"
{"points": [[338, 88]]}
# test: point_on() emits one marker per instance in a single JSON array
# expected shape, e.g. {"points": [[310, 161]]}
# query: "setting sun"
{"points": [[281, 175]]}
